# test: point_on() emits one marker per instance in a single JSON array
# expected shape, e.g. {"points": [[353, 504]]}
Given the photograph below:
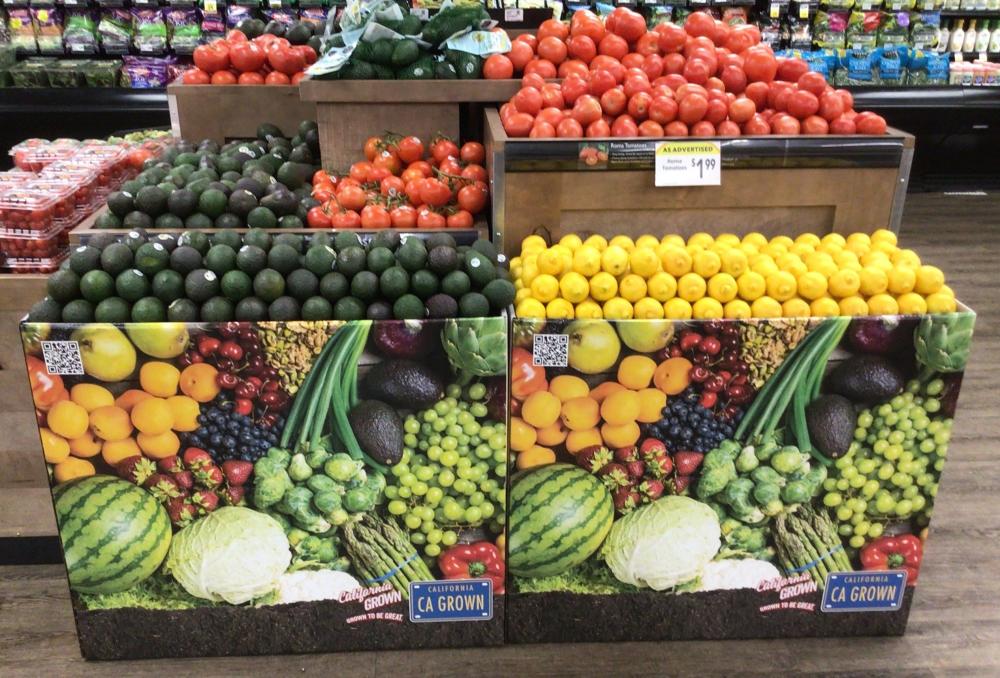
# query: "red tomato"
{"points": [[632, 60], [814, 124], [791, 70], [613, 46], [223, 78], [699, 23], [697, 71], [585, 22], [246, 56], [520, 54], [742, 110], [728, 128], [734, 79], [802, 104], [716, 85], [542, 130], [573, 67], [652, 66], [212, 57], [428, 218], [285, 59], [635, 84], [847, 97], [403, 216], [581, 47], [552, 49], [624, 126], [648, 44], [626, 23], [351, 197], [569, 128], [730, 59], [662, 110], [757, 92], [195, 76], [346, 219], [870, 123], [650, 128], [831, 106], [676, 129], [318, 217], [760, 64], [638, 105], [307, 52], [413, 191], [375, 216], [673, 63], [692, 108], [756, 126], [543, 67], [274, 78], [701, 42], [600, 82], [703, 129], [811, 81], [533, 80], [528, 100], [586, 110], [551, 115], [720, 33], [387, 160], [518, 124], [460, 219], [498, 67], [529, 39], [573, 88], [782, 123], [742, 37], [843, 125], [674, 81], [671, 37], [717, 112], [774, 93], [435, 192], [392, 185], [233, 36], [473, 198], [298, 77], [552, 28], [410, 149], [423, 166], [472, 152], [598, 128], [614, 101], [475, 172], [603, 62]]}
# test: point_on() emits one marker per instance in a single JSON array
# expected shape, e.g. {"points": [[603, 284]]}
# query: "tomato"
{"points": [[843, 125], [409, 149], [848, 99], [716, 112], [552, 28], [318, 217], [635, 84], [307, 52], [600, 82], [613, 101], [699, 23], [443, 147], [573, 88], [671, 37], [756, 126], [285, 59], [351, 197], [757, 92], [760, 64], [624, 126], [802, 104], [728, 128], [697, 71], [573, 67], [734, 79], [274, 78], [814, 124], [412, 190], [195, 76], [473, 198], [628, 24], [450, 165], [552, 49], [603, 62], [435, 192], [774, 94], [663, 109], [422, 166], [542, 130], [569, 128], [247, 56], [638, 105], [392, 185], [552, 115], [648, 44], [581, 47], [347, 181], [428, 218], [411, 174], [598, 129], [528, 100], [298, 77], [528, 39], [742, 37], [223, 78], [673, 64], [234, 35], [650, 128], [346, 219], [704, 128], [870, 123], [543, 67], [613, 46], [212, 57], [360, 170], [811, 81], [741, 110], [533, 80], [720, 32], [586, 110], [498, 67], [403, 216], [692, 108], [472, 152], [372, 147], [375, 216], [520, 54], [460, 219], [676, 129], [790, 70], [585, 22], [782, 123]]}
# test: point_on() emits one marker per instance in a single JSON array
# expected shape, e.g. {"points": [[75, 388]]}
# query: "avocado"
{"points": [[268, 284], [301, 154], [151, 258], [107, 220], [412, 257], [168, 222], [302, 284], [47, 310], [185, 259], [349, 308], [267, 130], [135, 239], [281, 201], [212, 202], [333, 286], [252, 186], [317, 308], [473, 305], [456, 283], [388, 239], [364, 286], [121, 203], [251, 308], [294, 174], [408, 307], [234, 240], [252, 28], [78, 311], [84, 258], [228, 221], [866, 379], [196, 240], [394, 283], [404, 53], [290, 221], [101, 240], [379, 310], [168, 285], [442, 306], [480, 269], [344, 239], [115, 258], [220, 259], [96, 286], [201, 285], [293, 240], [379, 259], [136, 220], [321, 239], [320, 259], [283, 258], [242, 202], [379, 431], [132, 285], [113, 310], [424, 284], [442, 259], [440, 239], [182, 310], [444, 70], [403, 383], [486, 248], [500, 294], [251, 259], [257, 238], [149, 310], [261, 217], [298, 33], [168, 240], [218, 310], [351, 260], [831, 421], [284, 308]]}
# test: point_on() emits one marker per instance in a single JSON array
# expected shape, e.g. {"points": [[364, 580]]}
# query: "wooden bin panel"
{"points": [[226, 112]]}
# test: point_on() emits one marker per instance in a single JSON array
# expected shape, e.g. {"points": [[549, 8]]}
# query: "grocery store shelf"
{"points": [[971, 13], [82, 100], [944, 96]]}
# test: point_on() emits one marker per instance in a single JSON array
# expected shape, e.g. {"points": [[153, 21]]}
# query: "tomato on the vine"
{"points": [[472, 198], [352, 197], [318, 217], [474, 173], [360, 170], [428, 218], [387, 160], [391, 186], [472, 152], [412, 190], [375, 216], [435, 192], [410, 149], [443, 147], [372, 147], [460, 219], [346, 219], [403, 216]]}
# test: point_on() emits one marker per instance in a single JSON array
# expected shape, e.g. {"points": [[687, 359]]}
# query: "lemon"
{"points": [[545, 288], [853, 306], [781, 285], [661, 286], [883, 247], [533, 243], [751, 285], [691, 287], [706, 307], [857, 248], [810, 239], [706, 263], [861, 239], [737, 308], [587, 260], [614, 259], [574, 287], [643, 261], [674, 240], [515, 273], [647, 240], [749, 249], [764, 265], [755, 238], [883, 304], [589, 309], [847, 259], [617, 308], [728, 239], [792, 264], [902, 280], [941, 303], [518, 283], [566, 254], [677, 309], [734, 262], [947, 290], [824, 307], [694, 249], [873, 281], [884, 235], [871, 256], [529, 269], [550, 262], [782, 241], [801, 249], [622, 241], [765, 307], [722, 287], [822, 263], [700, 239], [559, 308], [648, 308], [632, 287], [811, 285], [905, 258], [911, 303], [521, 295], [844, 283], [882, 263], [775, 251], [830, 249], [929, 279], [571, 241], [795, 308], [835, 239], [598, 242], [530, 308], [675, 260], [603, 286]]}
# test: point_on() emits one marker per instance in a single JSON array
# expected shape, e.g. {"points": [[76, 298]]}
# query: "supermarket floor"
{"points": [[954, 627]]}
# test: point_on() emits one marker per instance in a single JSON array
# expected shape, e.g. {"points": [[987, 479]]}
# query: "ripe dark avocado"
{"points": [[121, 203], [242, 202], [201, 285], [302, 284], [379, 431], [388, 239], [182, 310], [408, 307], [403, 383], [442, 306], [185, 259], [866, 379], [500, 294], [284, 308], [84, 258], [148, 310], [113, 310], [252, 185], [442, 259], [132, 285], [218, 310], [47, 310], [831, 420], [266, 130], [294, 174], [251, 308], [152, 200], [379, 310], [317, 308], [115, 258], [168, 285], [78, 311]]}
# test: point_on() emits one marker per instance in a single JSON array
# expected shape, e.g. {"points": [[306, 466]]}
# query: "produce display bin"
{"points": [[162, 526], [663, 515], [227, 112], [812, 184]]}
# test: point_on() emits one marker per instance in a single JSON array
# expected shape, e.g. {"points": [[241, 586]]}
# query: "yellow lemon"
{"points": [[545, 287], [589, 309], [632, 287], [905, 257], [559, 308], [675, 260], [691, 287], [706, 307], [570, 241], [911, 303], [765, 307], [751, 285], [781, 285], [853, 306], [737, 308], [884, 235], [882, 263], [844, 283], [764, 265], [782, 241], [587, 260], [824, 307], [873, 281], [673, 239], [811, 285], [603, 286], [835, 239], [533, 243], [795, 308], [722, 287], [792, 264], [884, 248], [947, 290], [648, 308], [857, 248], [871, 256], [748, 249], [734, 262], [810, 239], [661, 286], [929, 279], [846, 259], [775, 251], [614, 259], [727, 240], [574, 287], [677, 309], [883, 304], [622, 241], [643, 261], [801, 250], [598, 242], [529, 269], [941, 303], [521, 295], [829, 248], [566, 254], [700, 239], [862, 238], [823, 263], [617, 308], [902, 279], [755, 238], [647, 240]]}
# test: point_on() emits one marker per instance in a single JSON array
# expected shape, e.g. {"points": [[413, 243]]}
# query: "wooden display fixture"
{"points": [[770, 184], [227, 112], [350, 111]]}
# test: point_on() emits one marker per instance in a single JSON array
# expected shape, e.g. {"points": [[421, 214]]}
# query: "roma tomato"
{"points": [[581, 47], [600, 82], [702, 129], [543, 67], [628, 24], [585, 22], [246, 56], [223, 78], [542, 130], [757, 92], [760, 64], [802, 104], [676, 129], [756, 126], [815, 124], [673, 63], [648, 44], [811, 81], [569, 128], [573, 88], [717, 111], [692, 109], [603, 62], [697, 71], [573, 67], [742, 38], [728, 128], [734, 79], [529, 39], [254, 78], [848, 99], [671, 37], [307, 52], [624, 126], [403, 216], [285, 59], [650, 128], [551, 115], [741, 110], [662, 109], [790, 70], [699, 23], [533, 80], [275, 78], [552, 49], [831, 106], [196, 76], [870, 123], [460, 219], [782, 123], [614, 101], [586, 110], [843, 125], [598, 128], [720, 32], [498, 67], [613, 46], [638, 105], [636, 83]]}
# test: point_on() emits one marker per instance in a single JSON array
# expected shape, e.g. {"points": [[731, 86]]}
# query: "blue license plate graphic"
{"points": [[451, 600], [874, 591]]}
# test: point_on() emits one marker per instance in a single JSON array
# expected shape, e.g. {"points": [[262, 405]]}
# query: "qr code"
{"points": [[550, 350], [62, 357]]}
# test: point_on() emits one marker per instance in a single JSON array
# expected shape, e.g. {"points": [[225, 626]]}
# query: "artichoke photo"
{"points": [[476, 347], [942, 342]]}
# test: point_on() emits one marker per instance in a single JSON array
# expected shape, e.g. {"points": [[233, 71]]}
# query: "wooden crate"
{"points": [[771, 184], [350, 111], [226, 112]]}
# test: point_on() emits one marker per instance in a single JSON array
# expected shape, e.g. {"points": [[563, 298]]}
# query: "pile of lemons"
{"points": [[725, 277]]}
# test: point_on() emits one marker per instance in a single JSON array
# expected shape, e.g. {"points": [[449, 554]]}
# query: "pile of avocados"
{"points": [[298, 33], [258, 276], [260, 183]]}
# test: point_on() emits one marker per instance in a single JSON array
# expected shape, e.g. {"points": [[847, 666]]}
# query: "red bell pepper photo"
{"points": [[903, 552], [482, 560]]}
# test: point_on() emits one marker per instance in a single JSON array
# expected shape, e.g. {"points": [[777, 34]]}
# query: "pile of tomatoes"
{"points": [[705, 78], [400, 184], [237, 60]]}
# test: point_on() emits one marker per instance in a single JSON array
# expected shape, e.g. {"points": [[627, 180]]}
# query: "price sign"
{"points": [[688, 163], [803, 11], [274, 4], [866, 5], [211, 7], [421, 13], [513, 15], [774, 11]]}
